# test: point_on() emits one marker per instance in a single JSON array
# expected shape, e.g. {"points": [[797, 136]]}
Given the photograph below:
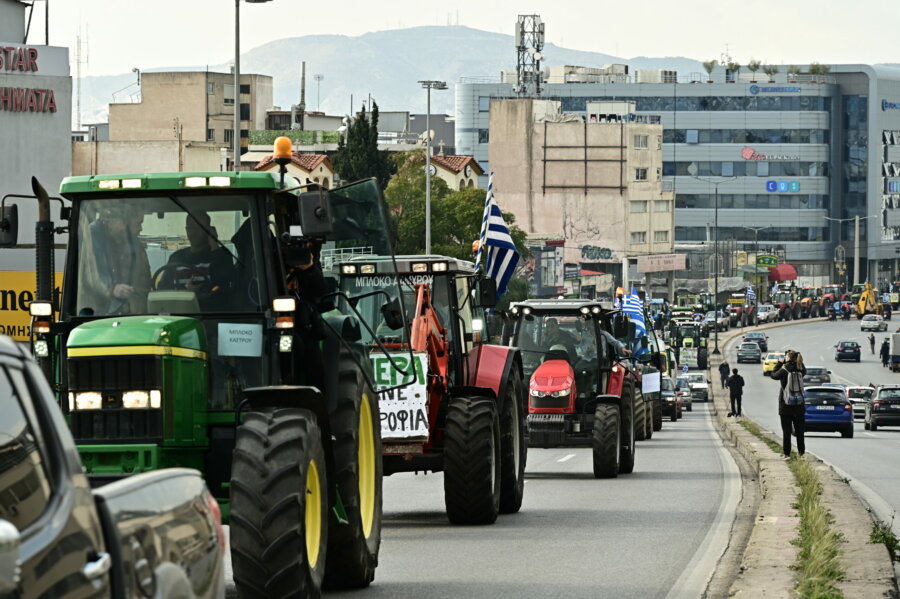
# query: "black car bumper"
{"points": [[885, 419]]}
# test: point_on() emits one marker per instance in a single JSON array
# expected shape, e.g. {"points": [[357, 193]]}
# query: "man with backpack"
{"points": [[791, 400], [735, 385]]}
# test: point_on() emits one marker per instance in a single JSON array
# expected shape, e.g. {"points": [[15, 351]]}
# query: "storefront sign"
{"points": [[661, 262], [757, 89], [888, 105], [766, 261], [751, 154], [23, 99], [783, 186]]}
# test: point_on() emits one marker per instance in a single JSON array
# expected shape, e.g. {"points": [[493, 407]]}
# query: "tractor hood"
{"points": [[174, 332], [552, 375]]}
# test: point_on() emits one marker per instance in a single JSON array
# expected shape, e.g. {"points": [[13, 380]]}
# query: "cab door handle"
{"points": [[98, 567]]}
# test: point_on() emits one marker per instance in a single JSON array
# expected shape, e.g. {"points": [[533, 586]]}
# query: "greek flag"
{"points": [[634, 308], [502, 256], [751, 295]]}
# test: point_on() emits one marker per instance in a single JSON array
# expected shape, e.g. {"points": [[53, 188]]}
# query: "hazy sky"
{"points": [[136, 33]]}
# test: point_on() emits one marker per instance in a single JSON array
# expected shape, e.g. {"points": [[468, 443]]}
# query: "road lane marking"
{"points": [[566, 458]]}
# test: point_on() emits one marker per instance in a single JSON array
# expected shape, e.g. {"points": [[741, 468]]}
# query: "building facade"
{"points": [[786, 164]]}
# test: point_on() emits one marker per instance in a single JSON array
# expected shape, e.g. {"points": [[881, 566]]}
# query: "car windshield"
{"points": [[774, 356], [755, 336], [750, 346], [860, 393], [889, 394], [666, 384], [681, 383], [815, 371], [870, 317], [696, 378]]}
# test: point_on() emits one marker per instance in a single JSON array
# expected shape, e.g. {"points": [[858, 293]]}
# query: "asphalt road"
{"points": [[868, 459], [657, 532]]}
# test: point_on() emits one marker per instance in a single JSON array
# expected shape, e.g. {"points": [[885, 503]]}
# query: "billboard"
{"points": [[661, 262]]}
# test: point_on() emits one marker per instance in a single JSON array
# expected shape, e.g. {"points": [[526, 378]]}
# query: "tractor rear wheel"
{"points": [[356, 432], [648, 418], [640, 421], [279, 505], [606, 441], [512, 446], [472, 461], [626, 457]]}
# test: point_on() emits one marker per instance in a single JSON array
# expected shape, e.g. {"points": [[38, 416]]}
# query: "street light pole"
{"points": [[236, 136], [429, 85], [856, 246]]}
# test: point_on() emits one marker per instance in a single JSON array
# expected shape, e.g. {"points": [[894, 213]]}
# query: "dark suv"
{"points": [[847, 350], [884, 408]]}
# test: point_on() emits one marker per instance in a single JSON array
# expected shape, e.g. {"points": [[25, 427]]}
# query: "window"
{"points": [[638, 206], [210, 135], [691, 136], [640, 174], [484, 104], [727, 169], [641, 141], [762, 169], [229, 135], [638, 237], [245, 88], [24, 485], [661, 236], [662, 206], [210, 87], [229, 94], [245, 112], [483, 136]]}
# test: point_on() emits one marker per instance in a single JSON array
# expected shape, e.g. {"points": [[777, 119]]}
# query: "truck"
{"points": [[157, 534], [894, 362], [197, 328], [868, 302], [464, 412]]}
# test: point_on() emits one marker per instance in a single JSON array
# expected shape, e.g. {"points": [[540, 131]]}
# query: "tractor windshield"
{"points": [[538, 336], [163, 254]]}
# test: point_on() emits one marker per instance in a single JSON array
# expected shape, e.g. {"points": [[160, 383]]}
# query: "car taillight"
{"points": [[216, 513]]}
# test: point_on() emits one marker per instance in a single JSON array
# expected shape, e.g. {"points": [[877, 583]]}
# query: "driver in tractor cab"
{"points": [[204, 267], [553, 335]]}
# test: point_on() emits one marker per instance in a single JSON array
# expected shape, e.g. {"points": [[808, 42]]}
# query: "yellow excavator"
{"points": [[868, 302]]}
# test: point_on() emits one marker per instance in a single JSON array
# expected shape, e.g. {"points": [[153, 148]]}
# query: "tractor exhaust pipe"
{"points": [[43, 239]]}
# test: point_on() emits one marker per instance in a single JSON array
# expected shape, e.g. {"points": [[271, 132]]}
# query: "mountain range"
{"points": [[386, 64]]}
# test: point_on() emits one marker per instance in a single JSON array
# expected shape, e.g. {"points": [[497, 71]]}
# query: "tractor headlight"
{"points": [[88, 400], [535, 393], [141, 400], [560, 393]]}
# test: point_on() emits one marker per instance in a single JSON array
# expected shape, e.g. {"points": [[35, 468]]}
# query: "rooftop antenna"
{"points": [[297, 119], [529, 43], [81, 59]]}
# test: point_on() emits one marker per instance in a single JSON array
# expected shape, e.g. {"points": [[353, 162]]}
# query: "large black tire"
{"points": [[872, 426], [640, 421], [606, 441], [648, 418], [356, 430], [702, 359], [657, 416], [847, 433], [472, 461], [278, 474], [512, 446], [627, 436]]}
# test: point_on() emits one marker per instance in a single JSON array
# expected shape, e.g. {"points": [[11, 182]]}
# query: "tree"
{"points": [[753, 66], [793, 70], [734, 68], [358, 157], [771, 70], [709, 66]]}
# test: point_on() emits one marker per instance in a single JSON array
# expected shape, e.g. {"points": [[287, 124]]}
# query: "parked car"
{"points": [[771, 359], [829, 411], [884, 408], [766, 313], [749, 352], [699, 386], [671, 402], [816, 375], [683, 390], [847, 350], [758, 337], [156, 534], [859, 397], [717, 319], [873, 322]]}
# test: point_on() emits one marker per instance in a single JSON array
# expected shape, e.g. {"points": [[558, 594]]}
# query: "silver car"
{"points": [[873, 322], [749, 352], [767, 313]]}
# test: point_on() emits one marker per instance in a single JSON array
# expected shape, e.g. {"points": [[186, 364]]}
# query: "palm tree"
{"points": [[709, 66], [770, 70], [753, 66], [734, 68]]}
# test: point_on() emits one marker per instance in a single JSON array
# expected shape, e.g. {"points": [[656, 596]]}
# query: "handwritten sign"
{"points": [[240, 339], [404, 410], [650, 382]]}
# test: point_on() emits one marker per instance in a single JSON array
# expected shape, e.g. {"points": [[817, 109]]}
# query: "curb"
{"points": [[766, 567]]}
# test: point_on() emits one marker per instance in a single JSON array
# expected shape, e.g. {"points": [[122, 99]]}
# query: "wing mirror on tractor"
{"points": [[315, 214], [620, 326], [486, 293], [9, 225]]}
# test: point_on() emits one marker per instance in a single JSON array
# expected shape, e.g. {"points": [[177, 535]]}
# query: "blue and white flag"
{"points": [[634, 308], [751, 295], [502, 255]]}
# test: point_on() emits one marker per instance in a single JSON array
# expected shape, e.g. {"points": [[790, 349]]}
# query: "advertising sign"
{"points": [[16, 294], [573, 271], [766, 261], [404, 411], [661, 262]]}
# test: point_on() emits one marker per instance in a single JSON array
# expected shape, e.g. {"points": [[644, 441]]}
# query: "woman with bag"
{"points": [[791, 402]]}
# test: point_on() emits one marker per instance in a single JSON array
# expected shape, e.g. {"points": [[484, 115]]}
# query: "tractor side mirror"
{"points": [[315, 216], [645, 343], [9, 225], [486, 293], [392, 312]]}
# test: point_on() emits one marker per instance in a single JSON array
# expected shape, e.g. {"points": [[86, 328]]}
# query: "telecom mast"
{"points": [[529, 43]]}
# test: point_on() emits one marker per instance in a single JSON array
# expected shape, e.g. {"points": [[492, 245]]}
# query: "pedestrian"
{"points": [[872, 342], [791, 403], [885, 353], [736, 391], [724, 369]]}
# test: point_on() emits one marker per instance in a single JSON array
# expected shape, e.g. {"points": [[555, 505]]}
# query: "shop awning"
{"points": [[783, 272]]}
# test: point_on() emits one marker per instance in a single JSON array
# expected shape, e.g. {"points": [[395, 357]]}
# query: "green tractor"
{"points": [[690, 346], [196, 328]]}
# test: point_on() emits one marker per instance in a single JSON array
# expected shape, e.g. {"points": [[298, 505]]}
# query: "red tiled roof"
{"points": [[457, 163], [307, 162]]}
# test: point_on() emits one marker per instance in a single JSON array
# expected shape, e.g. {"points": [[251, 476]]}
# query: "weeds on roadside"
{"points": [[882, 533]]}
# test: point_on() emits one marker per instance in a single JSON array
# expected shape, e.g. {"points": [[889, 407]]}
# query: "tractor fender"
{"points": [[491, 365], [291, 396], [591, 404], [616, 381]]}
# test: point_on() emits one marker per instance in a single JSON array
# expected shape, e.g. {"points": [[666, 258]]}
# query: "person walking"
{"points": [[885, 352], [791, 404], [736, 391], [724, 369], [872, 342]]}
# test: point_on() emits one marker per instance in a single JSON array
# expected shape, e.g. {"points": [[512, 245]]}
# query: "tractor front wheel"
{"points": [[626, 456], [640, 421], [279, 505], [657, 416], [472, 461], [606, 441], [512, 446]]}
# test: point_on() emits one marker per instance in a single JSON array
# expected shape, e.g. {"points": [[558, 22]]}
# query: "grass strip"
{"points": [[817, 561], [882, 532]]}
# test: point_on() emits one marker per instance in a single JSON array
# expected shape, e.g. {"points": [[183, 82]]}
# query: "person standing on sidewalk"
{"points": [[872, 342], [736, 390], [791, 406], [724, 369], [885, 353]]}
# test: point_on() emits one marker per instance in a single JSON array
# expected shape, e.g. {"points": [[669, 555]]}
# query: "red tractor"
{"points": [[830, 294], [462, 411], [787, 305], [582, 389], [742, 310]]}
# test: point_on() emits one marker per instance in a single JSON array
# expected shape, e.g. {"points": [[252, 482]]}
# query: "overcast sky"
{"points": [[123, 34]]}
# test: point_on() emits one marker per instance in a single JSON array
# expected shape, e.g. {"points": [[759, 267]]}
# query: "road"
{"points": [[868, 459], [655, 533]]}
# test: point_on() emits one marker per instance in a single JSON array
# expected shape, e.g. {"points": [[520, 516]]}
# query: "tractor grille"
{"points": [[546, 401], [110, 377]]}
